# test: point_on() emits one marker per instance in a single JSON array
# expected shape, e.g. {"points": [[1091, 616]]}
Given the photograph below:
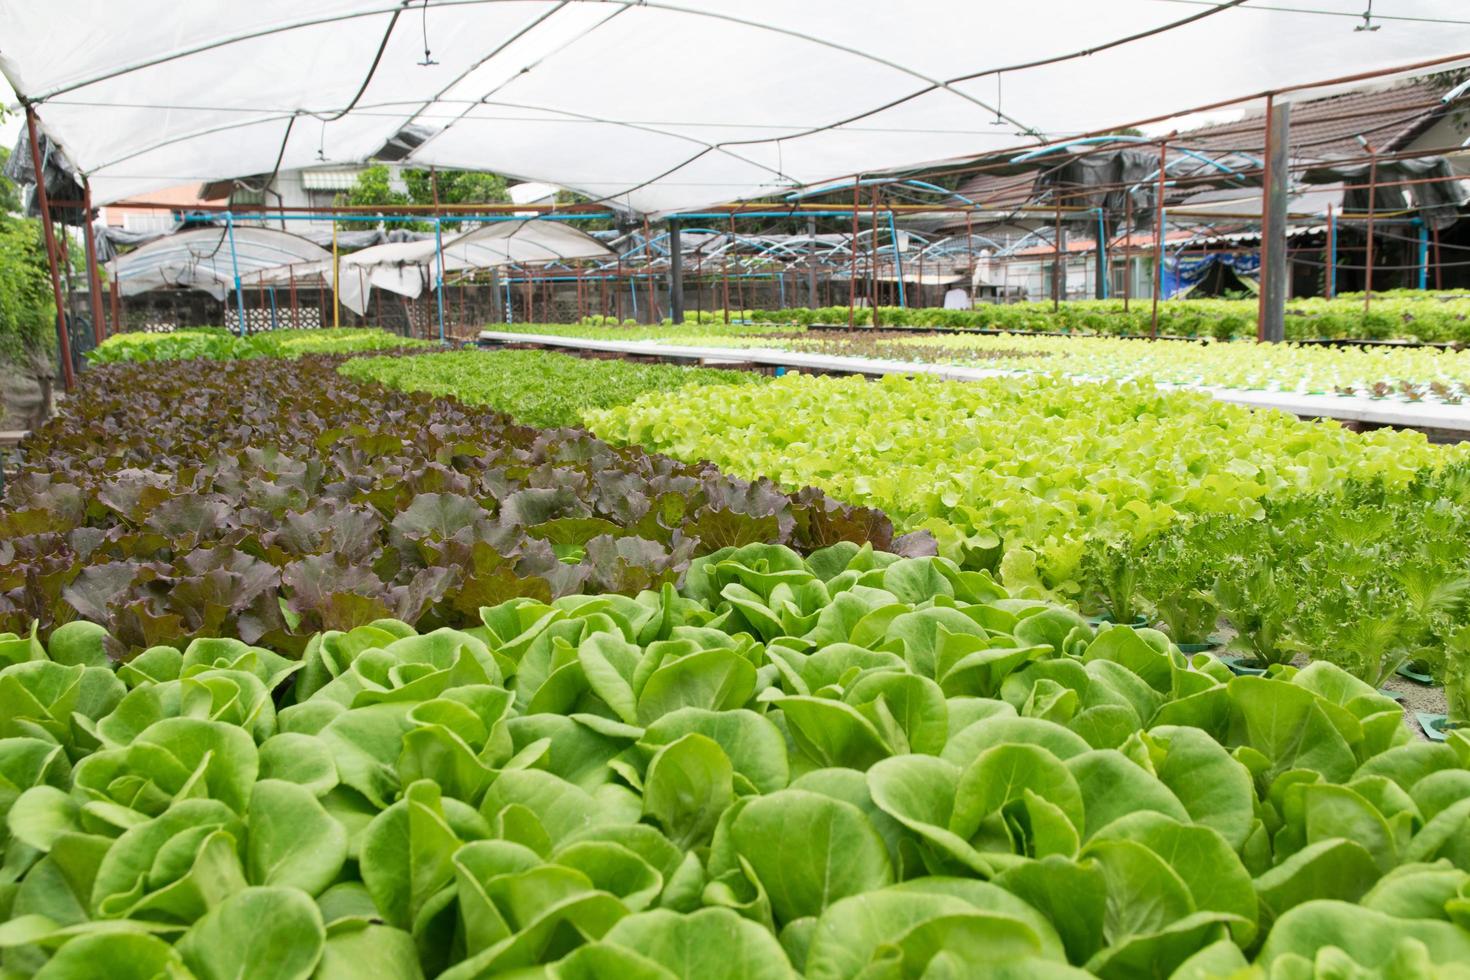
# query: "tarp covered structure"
{"points": [[149, 94], [206, 258], [408, 268]]}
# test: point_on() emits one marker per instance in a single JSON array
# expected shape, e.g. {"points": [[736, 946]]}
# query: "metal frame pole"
{"points": [[852, 265], [63, 338], [1423, 253], [1159, 236], [235, 267], [1100, 288], [676, 273], [970, 254], [94, 281], [873, 299], [897, 259], [1438, 265], [439, 251], [1058, 277], [811, 264], [1271, 326], [1331, 283], [1372, 208], [336, 281], [1127, 249]]}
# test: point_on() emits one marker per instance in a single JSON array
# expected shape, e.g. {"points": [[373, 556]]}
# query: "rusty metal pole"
{"points": [[295, 313], [812, 299], [970, 255], [725, 267], [1057, 275], [653, 317], [94, 281], [1274, 275], [873, 262], [1372, 209], [1159, 235], [1329, 284], [1438, 268], [63, 338], [1127, 246]]}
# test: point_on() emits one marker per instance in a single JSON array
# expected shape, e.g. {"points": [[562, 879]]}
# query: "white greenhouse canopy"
{"points": [[406, 268], [656, 106], [206, 258]]}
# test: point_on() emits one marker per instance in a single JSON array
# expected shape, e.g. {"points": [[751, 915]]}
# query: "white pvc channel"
{"points": [[1347, 408]]}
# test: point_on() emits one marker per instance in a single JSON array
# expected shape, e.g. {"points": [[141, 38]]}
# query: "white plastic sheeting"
{"points": [[656, 105], [203, 259], [408, 268]]}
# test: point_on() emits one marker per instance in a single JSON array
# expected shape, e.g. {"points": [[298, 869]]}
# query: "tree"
{"points": [[27, 312], [9, 195], [374, 188]]}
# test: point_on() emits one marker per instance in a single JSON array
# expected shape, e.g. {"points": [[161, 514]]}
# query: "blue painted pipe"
{"points": [[1423, 253], [897, 260], [235, 263]]}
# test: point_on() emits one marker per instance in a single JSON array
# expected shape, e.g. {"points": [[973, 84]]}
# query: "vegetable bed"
{"points": [[852, 765], [270, 499], [535, 387], [1014, 474], [220, 344], [1408, 314]]}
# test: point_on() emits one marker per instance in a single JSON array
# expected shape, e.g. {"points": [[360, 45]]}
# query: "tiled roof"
{"points": [[1388, 117]]}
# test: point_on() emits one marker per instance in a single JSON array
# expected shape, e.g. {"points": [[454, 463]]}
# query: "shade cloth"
{"points": [[617, 99]]}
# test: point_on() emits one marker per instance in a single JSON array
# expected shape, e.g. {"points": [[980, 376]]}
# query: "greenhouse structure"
{"points": [[713, 490]]}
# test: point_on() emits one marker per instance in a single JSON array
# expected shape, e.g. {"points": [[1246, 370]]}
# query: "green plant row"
{"points": [[1400, 314], [1403, 373], [849, 766], [1371, 577], [219, 344], [535, 387], [1015, 474]]}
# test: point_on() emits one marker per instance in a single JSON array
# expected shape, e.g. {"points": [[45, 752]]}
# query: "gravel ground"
{"points": [[1417, 697], [1414, 696]]}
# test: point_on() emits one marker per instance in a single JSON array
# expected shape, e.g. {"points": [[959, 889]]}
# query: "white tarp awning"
{"points": [[407, 268], [205, 258], [153, 93]]}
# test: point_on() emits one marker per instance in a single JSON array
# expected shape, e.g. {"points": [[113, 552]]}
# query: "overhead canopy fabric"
{"points": [[407, 268], [205, 259], [153, 93]]}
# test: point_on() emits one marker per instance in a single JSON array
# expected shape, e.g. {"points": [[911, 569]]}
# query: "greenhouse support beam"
{"points": [[897, 258], [94, 280], [63, 338], [336, 281], [1372, 213], [1423, 253], [1272, 315], [811, 265], [1101, 290], [676, 274], [1331, 284], [1159, 238], [235, 267], [439, 286]]}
